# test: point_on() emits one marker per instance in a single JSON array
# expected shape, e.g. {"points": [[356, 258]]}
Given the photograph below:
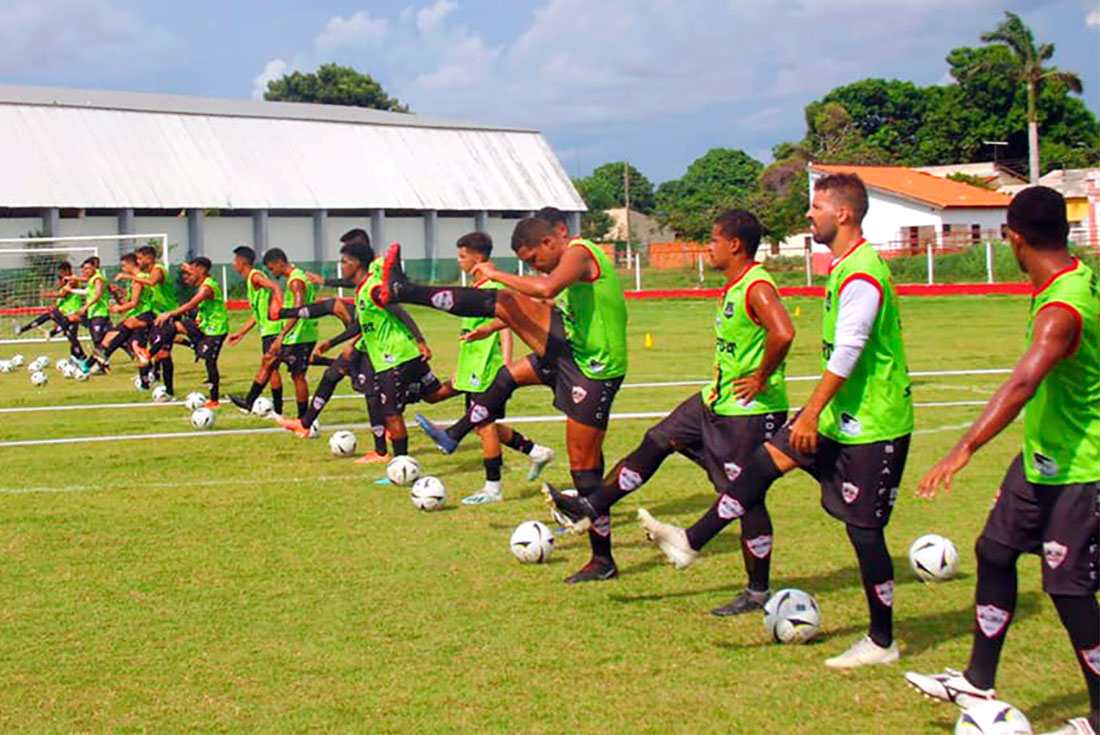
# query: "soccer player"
{"points": [[153, 275], [262, 291], [138, 316], [1049, 500], [479, 360], [724, 425], [853, 434], [579, 348], [68, 302], [209, 331], [95, 313]]}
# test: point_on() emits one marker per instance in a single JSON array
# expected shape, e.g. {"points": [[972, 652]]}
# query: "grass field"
{"points": [[254, 583]]}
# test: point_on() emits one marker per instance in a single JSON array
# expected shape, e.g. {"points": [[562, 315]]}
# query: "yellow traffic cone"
{"points": [[648, 340], [798, 311]]}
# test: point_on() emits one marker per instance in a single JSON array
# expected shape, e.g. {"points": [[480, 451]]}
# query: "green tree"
{"points": [[332, 84], [970, 179], [1026, 66], [722, 178], [599, 196], [607, 182]]}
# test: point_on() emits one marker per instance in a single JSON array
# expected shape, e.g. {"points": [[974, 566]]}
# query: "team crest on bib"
{"points": [[579, 394], [728, 311], [991, 619], [629, 480], [444, 300], [388, 357], [1045, 466], [595, 365], [1091, 657], [733, 470], [1054, 553], [478, 413], [849, 492], [885, 592], [475, 381], [849, 424], [729, 508], [760, 546]]}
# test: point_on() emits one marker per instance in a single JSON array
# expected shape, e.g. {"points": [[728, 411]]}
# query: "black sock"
{"points": [[254, 393], [156, 371], [213, 377], [168, 372], [630, 473], [876, 568], [73, 336], [743, 494], [321, 360], [995, 601], [487, 406], [325, 388], [492, 468], [377, 425], [1081, 619], [519, 442], [303, 406], [36, 322], [120, 338], [400, 446], [277, 401], [756, 546], [309, 311], [143, 374], [587, 483], [457, 301]]}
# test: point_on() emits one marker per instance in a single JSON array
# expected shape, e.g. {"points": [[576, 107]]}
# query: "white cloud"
{"points": [[274, 69], [357, 28], [430, 18], [1093, 19]]}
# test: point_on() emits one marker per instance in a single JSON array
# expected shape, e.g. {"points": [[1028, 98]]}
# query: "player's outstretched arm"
{"points": [[204, 293], [1054, 337], [576, 263], [237, 336], [132, 302], [769, 311]]}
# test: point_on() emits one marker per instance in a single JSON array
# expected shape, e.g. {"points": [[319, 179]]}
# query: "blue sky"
{"points": [[657, 81]]}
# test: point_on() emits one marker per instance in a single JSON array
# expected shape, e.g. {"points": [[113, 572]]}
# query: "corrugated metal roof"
{"points": [[78, 148]]}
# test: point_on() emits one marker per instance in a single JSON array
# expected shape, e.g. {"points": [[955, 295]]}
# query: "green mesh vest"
{"points": [[259, 299], [304, 330], [739, 350], [478, 362], [385, 338], [213, 317], [875, 404], [164, 293], [145, 300], [97, 307], [594, 315], [1062, 419], [69, 303]]}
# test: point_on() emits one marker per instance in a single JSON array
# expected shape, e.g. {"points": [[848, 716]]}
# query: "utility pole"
{"points": [[626, 200]]}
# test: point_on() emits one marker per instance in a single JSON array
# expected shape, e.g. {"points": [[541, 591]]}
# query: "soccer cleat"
{"points": [[598, 569], [540, 456], [1076, 726], [239, 402], [864, 652], [747, 601], [672, 540], [950, 686], [140, 353], [575, 510], [212, 405], [484, 496], [392, 274], [437, 434], [294, 425], [373, 457]]}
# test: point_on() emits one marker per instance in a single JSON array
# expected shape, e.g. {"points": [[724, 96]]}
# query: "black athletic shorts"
{"points": [[98, 327], [404, 384], [210, 346], [581, 398], [471, 401], [266, 342], [859, 482], [1059, 522], [146, 317], [721, 445], [296, 357], [162, 336]]}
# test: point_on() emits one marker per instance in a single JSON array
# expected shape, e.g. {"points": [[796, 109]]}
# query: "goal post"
{"points": [[29, 266]]}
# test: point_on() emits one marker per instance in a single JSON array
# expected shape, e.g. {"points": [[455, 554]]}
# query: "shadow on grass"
{"points": [[1061, 706]]}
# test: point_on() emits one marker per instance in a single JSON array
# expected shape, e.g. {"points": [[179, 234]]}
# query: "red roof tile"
{"points": [[923, 187]]}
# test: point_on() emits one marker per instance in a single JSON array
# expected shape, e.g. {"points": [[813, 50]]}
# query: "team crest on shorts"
{"points": [[991, 619], [849, 492], [885, 592], [760, 546], [1091, 657], [1045, 466], [733, 470], [478, 413], [729, 508], [629, 480], [1054, 553], [579, 394], [444, 300]]}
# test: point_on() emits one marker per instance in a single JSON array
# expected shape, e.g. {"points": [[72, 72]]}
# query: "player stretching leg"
{"points": [[68, 302], [153, 275], [262, 292], [853, 434], [95, 312], [1049, 500], [732, 417], [579, 348], [138, 316], [208, 333]]}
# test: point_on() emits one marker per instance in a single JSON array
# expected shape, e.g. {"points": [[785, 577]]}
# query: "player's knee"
{"points": [[656, 440], [866, 538], [991, 552]]}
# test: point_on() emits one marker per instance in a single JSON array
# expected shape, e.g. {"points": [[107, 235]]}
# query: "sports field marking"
{"points": [[671, 384]]}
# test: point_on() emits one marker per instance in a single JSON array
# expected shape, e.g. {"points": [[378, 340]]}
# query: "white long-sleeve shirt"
{"points": [[859, 302]]}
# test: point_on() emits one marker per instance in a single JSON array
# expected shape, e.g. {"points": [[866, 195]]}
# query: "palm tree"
{"points": [[1027, 67]]}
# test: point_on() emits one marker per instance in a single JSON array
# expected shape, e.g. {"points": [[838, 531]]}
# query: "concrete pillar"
{"points": [[259, 233], [196, 237], [320, 235], [51, 221], [574, 223], [126, 227], [481, 221], [431, 236], [378, 230]]}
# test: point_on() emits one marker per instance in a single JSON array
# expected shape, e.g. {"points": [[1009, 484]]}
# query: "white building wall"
{"points": [[987, 219], [888, 216], [409, 231], [448, 232], [500, 230], [222, 234], [338, 226], [294, 235], [174, 227], [19, 227]]}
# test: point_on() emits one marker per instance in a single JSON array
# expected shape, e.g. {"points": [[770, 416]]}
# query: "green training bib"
{"points": [[594, 316]]}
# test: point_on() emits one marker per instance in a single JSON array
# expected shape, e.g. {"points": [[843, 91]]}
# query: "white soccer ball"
{"points": [[194, 401], [202, 418], [39, 378], [60, 364], [78, 375], [262, 407], [68, 370], [532, 542], [428, 494], [16, 361], [792, 616], [403, 470], [161, 394], [6, 366], [556, 514], [41, 363], [934, 558], [991, 717], [343, 444]]}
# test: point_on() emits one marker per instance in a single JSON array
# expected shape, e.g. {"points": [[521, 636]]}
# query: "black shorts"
{"points": [[162, 337], [404, 384], [296, 357], [210, 347], [859, 482], [146, 317], [721, 445], [581, 398], [265, 343], [98, 327], [1059, 522], [471, 400]]}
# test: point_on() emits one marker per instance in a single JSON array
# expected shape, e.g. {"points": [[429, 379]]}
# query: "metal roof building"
{"points": [[263, 173]]}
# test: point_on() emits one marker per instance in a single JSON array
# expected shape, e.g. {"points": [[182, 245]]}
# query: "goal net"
{"points": [[29, 267]]}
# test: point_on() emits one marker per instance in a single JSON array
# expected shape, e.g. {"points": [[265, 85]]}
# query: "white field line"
{"points": [[555, 418], [356, 396]]}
